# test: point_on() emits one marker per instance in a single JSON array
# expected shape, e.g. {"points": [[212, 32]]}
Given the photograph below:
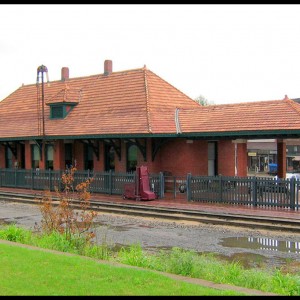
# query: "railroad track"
{"points": [[238, 220]]}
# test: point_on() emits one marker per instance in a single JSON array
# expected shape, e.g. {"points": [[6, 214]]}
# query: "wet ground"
{"points": [[253, 248]]}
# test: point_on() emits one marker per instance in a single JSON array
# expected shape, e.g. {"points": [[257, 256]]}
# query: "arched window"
{"points": [[35, 156], [8, 158], [68, 155], [49, 157], [88, 157], [109, 158], [131, 158]]}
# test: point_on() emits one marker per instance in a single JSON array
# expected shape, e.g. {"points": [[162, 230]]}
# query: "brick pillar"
{"points": [[78, 155], [281, 158], [59, 156], [226, 158], [120, 165], [242, 164], [99, 164], [240, 157], [28, 165]]}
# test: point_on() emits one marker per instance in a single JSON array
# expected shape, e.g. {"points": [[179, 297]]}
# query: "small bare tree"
{"points": [[62, 216]]}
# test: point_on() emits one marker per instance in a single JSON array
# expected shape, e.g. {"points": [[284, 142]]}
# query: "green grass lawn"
{"points": [[25, 271]]}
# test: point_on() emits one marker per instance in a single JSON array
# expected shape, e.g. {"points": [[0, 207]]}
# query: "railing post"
{"points": [[220, 189], [61, 187], [32, 179], [188, 186], [50, 180], [110, 182], [254, 190], [15, 177], [292, 193], [161, 185], [174, 187]]}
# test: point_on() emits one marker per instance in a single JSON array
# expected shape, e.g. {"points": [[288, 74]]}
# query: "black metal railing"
{"points": [[103, 182], [248, 191]]}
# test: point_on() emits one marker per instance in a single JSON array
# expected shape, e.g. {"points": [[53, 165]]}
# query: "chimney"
{"points": [[286, 97], [64, 73], [107, 67]]}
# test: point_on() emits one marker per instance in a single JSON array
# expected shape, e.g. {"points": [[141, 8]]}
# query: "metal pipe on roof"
{"points": [[177, 124]]}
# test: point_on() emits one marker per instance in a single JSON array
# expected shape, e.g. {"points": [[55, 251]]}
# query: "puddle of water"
{"points": [[262, 244], [251, 260]]}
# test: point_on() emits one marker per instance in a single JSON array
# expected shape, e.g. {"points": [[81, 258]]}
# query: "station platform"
{"points": [[181, 203]]}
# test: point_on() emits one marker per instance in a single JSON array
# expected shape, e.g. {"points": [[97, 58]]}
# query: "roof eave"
{"points": [[247, 134]]}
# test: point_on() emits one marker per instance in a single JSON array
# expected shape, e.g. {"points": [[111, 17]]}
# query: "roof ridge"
{"points": [[293, 104], [84, 77], [167, 82], [260, 102], [246, 103]]}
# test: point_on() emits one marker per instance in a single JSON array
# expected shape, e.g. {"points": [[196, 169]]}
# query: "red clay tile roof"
{"points": [[129, 102], [251, 116], [134, 102]]}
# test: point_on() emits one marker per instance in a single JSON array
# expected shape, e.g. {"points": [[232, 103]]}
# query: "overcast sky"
{"points": [[225, 53]]}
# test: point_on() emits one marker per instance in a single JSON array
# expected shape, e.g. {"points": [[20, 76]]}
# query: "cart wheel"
{"points": [[182, 188]]}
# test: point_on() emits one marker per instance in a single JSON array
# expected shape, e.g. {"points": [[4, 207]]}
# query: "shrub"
{"points": [[71, 215]]}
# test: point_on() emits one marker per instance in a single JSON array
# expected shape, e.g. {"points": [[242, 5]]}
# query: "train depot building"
{"points": [[116, 121]]}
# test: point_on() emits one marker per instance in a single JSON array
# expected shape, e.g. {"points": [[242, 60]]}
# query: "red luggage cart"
{"points": [[140, 190]]}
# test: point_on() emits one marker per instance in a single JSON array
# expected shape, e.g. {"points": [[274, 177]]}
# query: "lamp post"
{"points": [[42, 69]]}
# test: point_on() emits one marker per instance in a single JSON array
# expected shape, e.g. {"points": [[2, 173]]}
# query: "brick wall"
{"points": [[178, 156], [182, 156]]}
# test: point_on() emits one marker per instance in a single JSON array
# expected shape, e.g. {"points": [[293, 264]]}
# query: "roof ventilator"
{"points": [[178, 130]]}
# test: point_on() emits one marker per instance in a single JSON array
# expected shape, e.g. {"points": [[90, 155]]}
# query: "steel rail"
{"points": [[146, 211]]}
